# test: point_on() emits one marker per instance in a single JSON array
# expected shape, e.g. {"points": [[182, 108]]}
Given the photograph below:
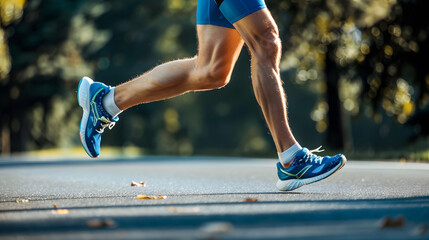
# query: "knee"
{"points": [[266, 46], [214, 77]]}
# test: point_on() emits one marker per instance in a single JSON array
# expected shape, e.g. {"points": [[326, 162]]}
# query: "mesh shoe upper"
{"points": [[308, 165], [98, 118]]}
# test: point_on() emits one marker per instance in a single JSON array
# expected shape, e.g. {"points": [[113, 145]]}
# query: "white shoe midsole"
{"points": [[288, 185], [83, 99]]}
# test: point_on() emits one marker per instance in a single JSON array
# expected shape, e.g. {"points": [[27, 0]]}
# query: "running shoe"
{"points": [[307, 168], [95, 118]]}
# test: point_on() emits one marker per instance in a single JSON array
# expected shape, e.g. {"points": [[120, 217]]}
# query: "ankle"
{"points": [[109, 104], [286, 165], [286, 158]]}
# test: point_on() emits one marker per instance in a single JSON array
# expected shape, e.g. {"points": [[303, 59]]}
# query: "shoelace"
{"points": [[105, 123], [310, 156]]}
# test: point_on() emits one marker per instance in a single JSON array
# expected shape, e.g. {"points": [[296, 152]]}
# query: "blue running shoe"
{"points": [[307, 168], [95, 119]]}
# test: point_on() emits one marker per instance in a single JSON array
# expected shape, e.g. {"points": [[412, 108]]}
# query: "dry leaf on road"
{"points": [[22, 200], [251, 200], [388, 222], [150, 197], [61, 211], [100, 223], [140, 184]]}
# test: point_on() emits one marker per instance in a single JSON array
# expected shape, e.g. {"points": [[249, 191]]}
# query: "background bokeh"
{"points": [[355, 73]]}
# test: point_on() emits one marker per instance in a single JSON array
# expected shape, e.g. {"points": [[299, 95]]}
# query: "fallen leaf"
{"points": [[22, 200], [100, 223], [251, 200], [150, 197], [388, 222], [142, 197], [61, 211], [140, 184]]}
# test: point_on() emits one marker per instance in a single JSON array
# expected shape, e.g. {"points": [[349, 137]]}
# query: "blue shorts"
{"points": [[228, 11]]}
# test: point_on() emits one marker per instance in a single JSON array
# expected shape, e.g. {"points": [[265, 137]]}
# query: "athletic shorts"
{"points": [[226, 12]]}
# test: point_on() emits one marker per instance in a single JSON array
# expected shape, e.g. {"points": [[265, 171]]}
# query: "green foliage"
{"points": [[57, 42], [46, 61], [358, 53], [356, 57]]}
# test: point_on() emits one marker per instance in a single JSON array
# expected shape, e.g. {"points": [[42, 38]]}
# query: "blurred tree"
{"points": [[10, 11], [395, 69], [45, 46], [353, 53], [57, 42]]}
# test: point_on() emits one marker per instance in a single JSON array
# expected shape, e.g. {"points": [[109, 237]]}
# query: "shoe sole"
{"points": [[289, 185], [83, 99]]}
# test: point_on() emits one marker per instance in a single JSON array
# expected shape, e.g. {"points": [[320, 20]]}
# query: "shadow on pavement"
{"points": [[393, 203]]}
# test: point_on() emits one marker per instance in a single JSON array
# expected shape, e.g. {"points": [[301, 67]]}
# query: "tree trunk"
{"points": [[338, 136], [5, 141]]}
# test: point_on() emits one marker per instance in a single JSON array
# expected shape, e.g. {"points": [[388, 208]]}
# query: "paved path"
{"points": [[206, 200]]}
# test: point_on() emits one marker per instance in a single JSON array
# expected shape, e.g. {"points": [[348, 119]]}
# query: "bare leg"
{"points": [[218, 51], [260, 34]]}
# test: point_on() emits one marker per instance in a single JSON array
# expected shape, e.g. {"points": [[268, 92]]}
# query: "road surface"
{"points": [[206, 199]]}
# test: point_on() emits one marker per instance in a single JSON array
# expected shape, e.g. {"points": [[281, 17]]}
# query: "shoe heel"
{"points": [[83, 93]]}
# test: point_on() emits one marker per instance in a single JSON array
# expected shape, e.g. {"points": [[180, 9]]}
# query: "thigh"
{"points": [[218, 47], [256, 27]]}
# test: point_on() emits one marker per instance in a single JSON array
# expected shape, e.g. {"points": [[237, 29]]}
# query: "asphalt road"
{"points": [[206, 199]]}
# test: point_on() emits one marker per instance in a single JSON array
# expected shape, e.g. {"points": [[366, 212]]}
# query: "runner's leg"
{"points": [[219, 48], [298, 166], [260, 33]]}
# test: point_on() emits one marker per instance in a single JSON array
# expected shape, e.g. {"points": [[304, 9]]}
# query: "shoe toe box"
{"points": [[336, 160]]}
